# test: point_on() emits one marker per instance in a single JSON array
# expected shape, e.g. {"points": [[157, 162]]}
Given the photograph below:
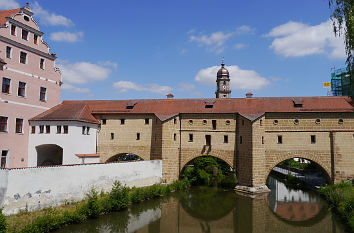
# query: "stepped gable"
{"points": [[7, 13], [73, 111]]}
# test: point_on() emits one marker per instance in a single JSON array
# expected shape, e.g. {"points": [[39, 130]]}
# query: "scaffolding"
{"points": [[341, 83]]}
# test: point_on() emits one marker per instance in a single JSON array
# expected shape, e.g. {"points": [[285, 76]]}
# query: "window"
{"points": [[275, 122], [208, 140], [19, 125], [47, 129], [190, 138], [146, 121], [3, 158], [42, 94], [137, 136], [41, 64], [23, 57], [318, 121], [35, 39], [24, 34], [21, 89], [209, 106], [33, 130], [205, 122], [104, 121], [227, 122], [280, 139], [41, 129], [262, 140], [313, 139], [174, 121], [226, 139], [87, 130], [214, 124], [296, 121], [3, 124], [174, 137], [8, 52], [241, 140], [13, 30], [260, 122], [66, 129], [190, 122], [340, 121], [26, 18], [112, 136], [6, 85], [58, 128], [243, 122], [122, 121], [83, 129]]}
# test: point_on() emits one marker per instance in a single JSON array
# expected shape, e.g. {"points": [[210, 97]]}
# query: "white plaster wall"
{"points": [[72, 143], [36, 188]]}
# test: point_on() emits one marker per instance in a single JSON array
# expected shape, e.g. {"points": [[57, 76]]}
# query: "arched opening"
{"points": [[49, 154], [124, 157], [292, 183], [209, 170]]}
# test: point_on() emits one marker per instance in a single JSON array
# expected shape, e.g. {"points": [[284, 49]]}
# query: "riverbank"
{"points": [[341, 196], [96, 204]]}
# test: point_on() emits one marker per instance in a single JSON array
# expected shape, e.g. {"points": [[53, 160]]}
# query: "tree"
{"points": [[342, 16]]}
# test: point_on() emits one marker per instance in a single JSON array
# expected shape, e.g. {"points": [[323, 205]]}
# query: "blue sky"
{"points": [[146, 49]]}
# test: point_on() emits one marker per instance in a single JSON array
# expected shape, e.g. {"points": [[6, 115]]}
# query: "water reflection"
{"points": [[207, 210]]}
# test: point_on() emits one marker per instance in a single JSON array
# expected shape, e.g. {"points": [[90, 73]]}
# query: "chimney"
{"points": [[249, 95], [170, 96]]}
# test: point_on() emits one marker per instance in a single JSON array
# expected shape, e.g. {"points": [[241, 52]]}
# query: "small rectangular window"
{"points": [[47, 129], [3, 124], [214, 124], [13, 30], [58, 129], [104, 121], [241, 140], [226, 139], [208, 140], [122, 121], [209, 106], [33, 130], [174, 137], [83, 129], [24, 34], [137, 136], [262, 140], [8, 52], [146, 121], [23, 57], [41, 64], [87, 130], [41, 129], [66, 129], [3, 158], [35, 39], [243, 122], [42, 94], [6, 85], [260, 122], [21, 89], [280, 139], [174, 121], [112, 136], [313, 139], [190, 138], [19, 125]]}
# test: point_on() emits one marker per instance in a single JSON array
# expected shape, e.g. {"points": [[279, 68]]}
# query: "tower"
{"points": [[223, 82]]}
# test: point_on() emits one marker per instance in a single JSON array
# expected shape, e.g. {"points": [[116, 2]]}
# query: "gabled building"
{"points": [[30, 82]]}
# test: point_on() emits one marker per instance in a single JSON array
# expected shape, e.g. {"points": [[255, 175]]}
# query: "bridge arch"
{"points": [[49, 154], [124, 157], [187, 160]]}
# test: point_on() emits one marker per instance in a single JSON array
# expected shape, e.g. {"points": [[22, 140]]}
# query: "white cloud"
{"points": [[239, 46], [295, 39], [216, 41], [239, 79], [186, 87], [71, 88], [70, 37], [124, 86], [8, 4], [82, 72], [48, 18]]}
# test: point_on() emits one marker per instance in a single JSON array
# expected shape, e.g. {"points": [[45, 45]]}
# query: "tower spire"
{"points": [[223, 82], [222, 62]]}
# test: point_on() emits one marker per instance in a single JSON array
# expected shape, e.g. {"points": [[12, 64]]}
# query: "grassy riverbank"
{"points": [[96, 204], [341, 196]]}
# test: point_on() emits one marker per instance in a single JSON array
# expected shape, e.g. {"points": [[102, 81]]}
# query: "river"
{"points": [[207, 210]]}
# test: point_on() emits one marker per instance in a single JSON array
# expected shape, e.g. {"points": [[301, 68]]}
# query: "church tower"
{"points": [[223, 82]]}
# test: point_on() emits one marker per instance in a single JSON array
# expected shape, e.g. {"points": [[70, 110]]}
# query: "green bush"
{"points": [[3, 223], [119, 196]]}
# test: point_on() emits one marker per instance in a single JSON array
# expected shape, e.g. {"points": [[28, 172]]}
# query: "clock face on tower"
{"points": [[224, 87]]}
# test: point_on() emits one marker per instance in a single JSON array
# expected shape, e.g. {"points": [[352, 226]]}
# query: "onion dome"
{"points": [[223, 71]]}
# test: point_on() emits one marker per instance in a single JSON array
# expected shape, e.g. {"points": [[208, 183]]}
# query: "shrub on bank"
{"points": [[341, 196], [96, 204]]}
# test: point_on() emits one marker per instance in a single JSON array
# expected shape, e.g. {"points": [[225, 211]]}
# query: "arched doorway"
{"points": [[124, 157], [49, 154]]}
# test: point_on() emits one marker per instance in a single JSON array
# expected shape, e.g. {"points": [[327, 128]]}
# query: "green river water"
{"points": [[207, 210]]}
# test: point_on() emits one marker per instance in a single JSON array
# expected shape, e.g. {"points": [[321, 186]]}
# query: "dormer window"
{"points": [[24, 34], [130, 105], [13, 30], [209, 104], [298, 103]]}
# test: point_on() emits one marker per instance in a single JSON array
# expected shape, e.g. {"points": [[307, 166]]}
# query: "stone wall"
{"points": [[40, 187]]}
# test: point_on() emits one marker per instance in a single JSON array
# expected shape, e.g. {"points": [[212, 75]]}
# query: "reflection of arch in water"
{"points": [[49, 154], [124, 157], [208, 204]]}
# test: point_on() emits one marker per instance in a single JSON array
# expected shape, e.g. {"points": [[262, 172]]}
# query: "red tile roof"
{"points": [[7, 13], [251, 108]]}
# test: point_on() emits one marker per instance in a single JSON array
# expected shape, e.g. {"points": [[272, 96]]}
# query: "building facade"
{"points": [[30, 82]]}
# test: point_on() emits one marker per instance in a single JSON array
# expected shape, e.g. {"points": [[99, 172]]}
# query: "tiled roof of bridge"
{"points": [[167, 108], [7, 13]]}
